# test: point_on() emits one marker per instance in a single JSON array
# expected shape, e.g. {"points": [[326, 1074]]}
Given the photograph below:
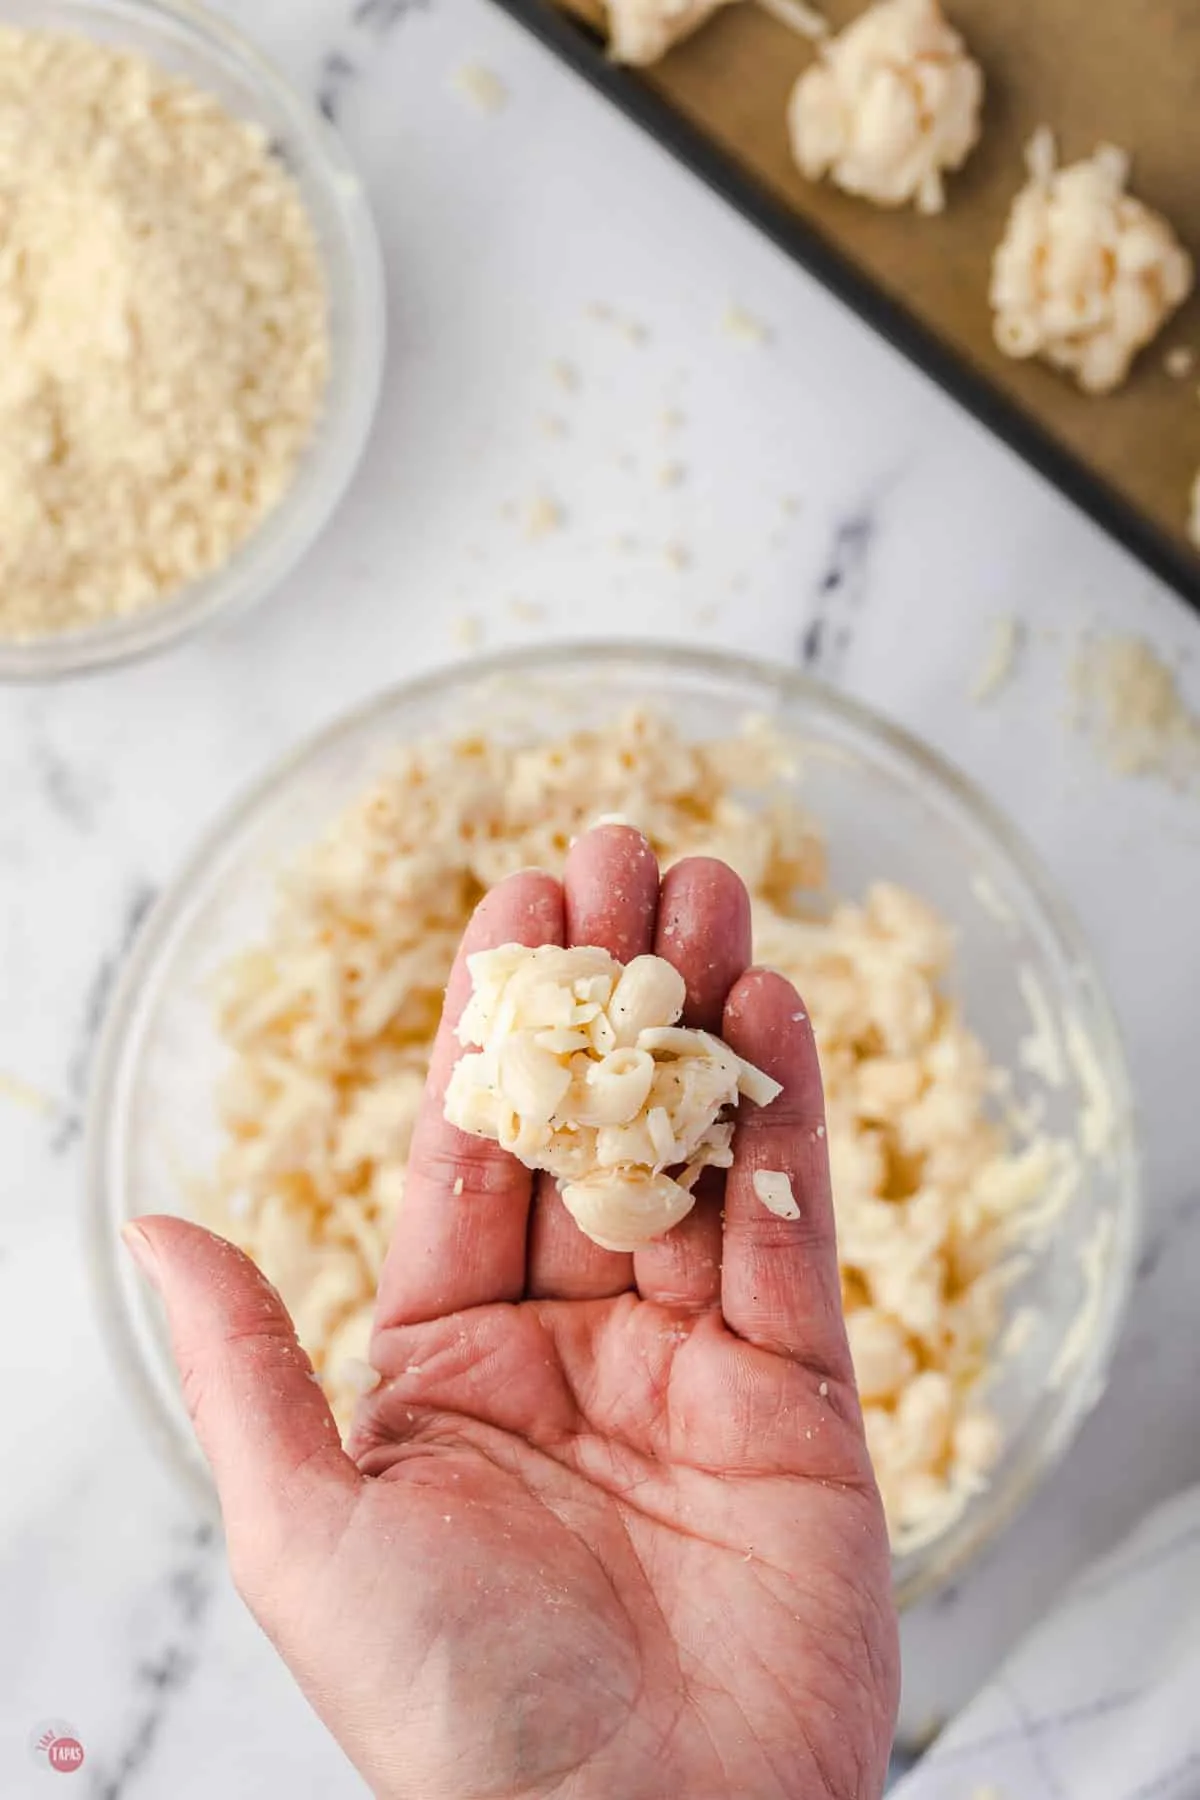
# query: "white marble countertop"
{"points": [[912, 532]]}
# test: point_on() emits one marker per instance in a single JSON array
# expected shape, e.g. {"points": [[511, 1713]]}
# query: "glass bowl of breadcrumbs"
{"points": [[191, 328], [265, 1054]]}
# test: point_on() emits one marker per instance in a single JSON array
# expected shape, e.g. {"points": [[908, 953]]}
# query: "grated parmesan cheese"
{"points": [[164, 340]]}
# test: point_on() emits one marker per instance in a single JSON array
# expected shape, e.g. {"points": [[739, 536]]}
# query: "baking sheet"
{"points": [[1128, 74]]}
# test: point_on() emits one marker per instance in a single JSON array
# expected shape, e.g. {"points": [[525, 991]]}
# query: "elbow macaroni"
{"points": [[618, 1095]]}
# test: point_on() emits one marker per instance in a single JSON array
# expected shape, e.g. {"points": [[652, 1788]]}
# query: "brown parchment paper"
{"points": [[1122, 71]]}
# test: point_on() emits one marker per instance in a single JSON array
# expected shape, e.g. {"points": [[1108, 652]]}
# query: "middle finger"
{"points": [[611, 888]]}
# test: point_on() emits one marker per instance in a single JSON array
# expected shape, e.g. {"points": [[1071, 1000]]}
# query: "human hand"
{"points": [[607, 1529]]}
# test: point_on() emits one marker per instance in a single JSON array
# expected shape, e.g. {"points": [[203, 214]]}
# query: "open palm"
{"points": [[608, 1526]]}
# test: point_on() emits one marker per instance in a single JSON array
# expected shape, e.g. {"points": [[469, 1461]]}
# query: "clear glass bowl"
{"points": [[890, 808], [188, 41]]}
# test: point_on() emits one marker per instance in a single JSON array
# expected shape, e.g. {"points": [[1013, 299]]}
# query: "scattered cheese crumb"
{"points": [[677, 556], [358, 1376], [671, 419], [481, 86], [1179, 362], [791, 504], [564, 375], [889, 105], [1007, 635], [671, 474], [24, 1093], [467, 631], [526, 612], [552, 426], [774, 1189], [633, 332], [823, 1389], [543, 516], [1085, 275], [707, 614], [164, 339], [1128, 700], [458, 1185], [743, 327]]}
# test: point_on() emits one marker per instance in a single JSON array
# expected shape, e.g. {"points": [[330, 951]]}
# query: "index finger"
{"points": [[780, 1287], [459, 1239]]}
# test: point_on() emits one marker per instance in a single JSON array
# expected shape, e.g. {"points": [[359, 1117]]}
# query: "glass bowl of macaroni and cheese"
{"points": [[264, 1056]]}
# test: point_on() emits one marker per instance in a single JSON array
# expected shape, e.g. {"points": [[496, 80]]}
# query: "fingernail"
{"points": [[142, 1251]]}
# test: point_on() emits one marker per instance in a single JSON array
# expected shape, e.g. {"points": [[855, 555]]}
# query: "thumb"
{"points": [[262, 1421]]}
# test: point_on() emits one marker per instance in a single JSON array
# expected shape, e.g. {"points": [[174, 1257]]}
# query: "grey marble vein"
{"points": [[839, 594], [381, 16], [66, 791], [1163, 1237], [141, 898], [159, 1677], [337, 71]]}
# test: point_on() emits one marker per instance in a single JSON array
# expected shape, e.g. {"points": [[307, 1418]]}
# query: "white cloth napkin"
{"points": [[1102, 1701]]}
